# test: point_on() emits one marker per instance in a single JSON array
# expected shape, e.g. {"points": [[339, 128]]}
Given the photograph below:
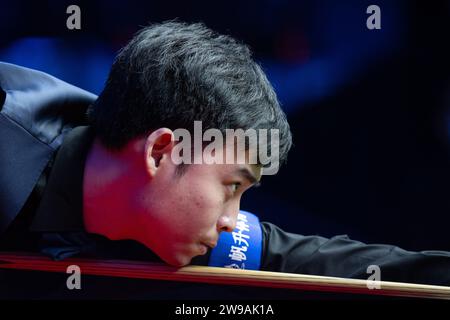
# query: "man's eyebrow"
{"points": [[247, 174]]}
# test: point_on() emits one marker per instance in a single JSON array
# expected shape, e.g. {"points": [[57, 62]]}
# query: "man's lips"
{"points": [[209, 245]]}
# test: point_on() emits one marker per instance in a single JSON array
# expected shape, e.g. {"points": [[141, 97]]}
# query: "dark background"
{"points": [[369, 109]]}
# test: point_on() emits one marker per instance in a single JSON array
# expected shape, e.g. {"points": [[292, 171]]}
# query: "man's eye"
{"points": [[235, 186]]}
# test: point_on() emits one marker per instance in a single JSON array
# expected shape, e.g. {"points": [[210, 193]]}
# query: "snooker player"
{"points": [[88, 176]]}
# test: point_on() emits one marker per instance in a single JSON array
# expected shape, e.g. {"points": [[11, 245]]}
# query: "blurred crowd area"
{"points": [[369, 109]]}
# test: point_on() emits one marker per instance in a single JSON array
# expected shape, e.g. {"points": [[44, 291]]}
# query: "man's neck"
{"points": [[104, 194]]}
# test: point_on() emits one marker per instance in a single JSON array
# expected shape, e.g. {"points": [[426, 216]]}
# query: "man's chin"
{"points": [[177, 261]]}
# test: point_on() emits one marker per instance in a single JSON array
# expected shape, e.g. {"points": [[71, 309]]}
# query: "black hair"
{"points": [[172, 73]]}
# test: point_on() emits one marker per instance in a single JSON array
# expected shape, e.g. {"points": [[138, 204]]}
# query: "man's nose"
{"points": [[226, 222]]}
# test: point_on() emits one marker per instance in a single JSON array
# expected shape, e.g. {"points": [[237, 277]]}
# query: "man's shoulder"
{"points": [[41, 104], [36, 112]]}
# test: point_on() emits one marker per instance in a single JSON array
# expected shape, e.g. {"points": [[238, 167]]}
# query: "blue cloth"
{"points": [[242, 248]]}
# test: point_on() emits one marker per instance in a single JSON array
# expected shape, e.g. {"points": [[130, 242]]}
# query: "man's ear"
{"points": [[159, 144]]}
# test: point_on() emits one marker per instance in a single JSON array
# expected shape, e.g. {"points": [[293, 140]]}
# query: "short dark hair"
{"points": [[172, 73]]}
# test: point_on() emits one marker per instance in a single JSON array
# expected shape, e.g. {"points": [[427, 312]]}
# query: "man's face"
{"points": [[182, 215]]}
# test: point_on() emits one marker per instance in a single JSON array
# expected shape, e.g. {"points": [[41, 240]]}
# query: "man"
{"points": [[102, 181]]}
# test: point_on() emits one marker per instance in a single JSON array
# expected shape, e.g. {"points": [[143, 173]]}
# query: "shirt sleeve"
{"points": [[340, 256]]}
